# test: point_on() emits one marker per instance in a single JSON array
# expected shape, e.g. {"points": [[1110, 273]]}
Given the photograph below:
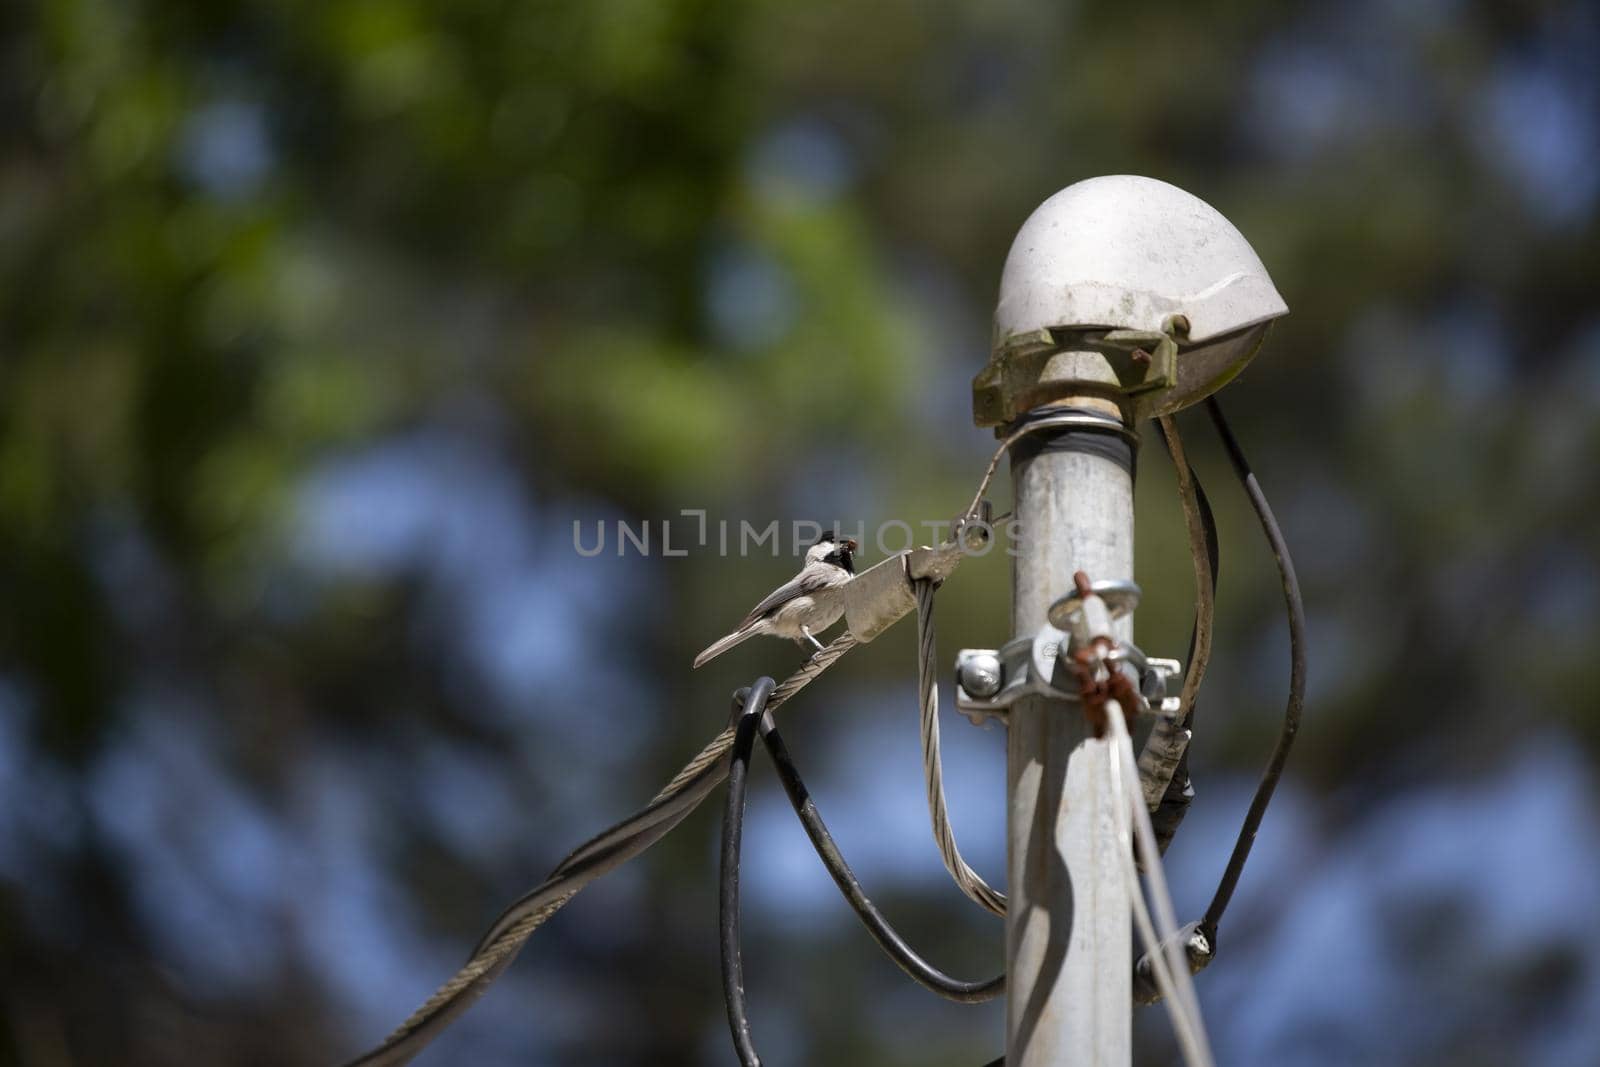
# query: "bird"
{"points": [[809, 602]]}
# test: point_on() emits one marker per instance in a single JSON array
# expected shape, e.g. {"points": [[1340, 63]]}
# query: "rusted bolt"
{"points": [[1093, 692]]}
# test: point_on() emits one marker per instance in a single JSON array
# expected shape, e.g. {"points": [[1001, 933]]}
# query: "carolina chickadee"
{"points": [[811, 601]]}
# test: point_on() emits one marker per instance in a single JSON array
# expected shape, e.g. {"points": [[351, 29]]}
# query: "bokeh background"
{"points": [[322, 323]]}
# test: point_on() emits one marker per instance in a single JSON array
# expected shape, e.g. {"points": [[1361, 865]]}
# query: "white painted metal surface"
{"points": [[1125, 252], [1129, 253], [1068, 926]]}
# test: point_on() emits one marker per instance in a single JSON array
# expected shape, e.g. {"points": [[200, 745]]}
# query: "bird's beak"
{"points": [[850, 543]]}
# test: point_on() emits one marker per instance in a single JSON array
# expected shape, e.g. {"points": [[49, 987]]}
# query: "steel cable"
{"points": [[1169, 967], [600, 854], [496, 950], [968, 880], [609, 849]]}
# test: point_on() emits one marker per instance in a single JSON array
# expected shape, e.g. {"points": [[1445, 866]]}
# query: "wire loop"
{"points": [[968, 880], [1296, 611], [888, 939], [727, 756], [751, 709]]}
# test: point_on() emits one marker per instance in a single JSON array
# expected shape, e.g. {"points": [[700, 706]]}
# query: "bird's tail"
{"points": [[722, 644]]}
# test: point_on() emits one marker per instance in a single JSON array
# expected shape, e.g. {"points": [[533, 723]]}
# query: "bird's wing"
{"points": [[811, 580]]}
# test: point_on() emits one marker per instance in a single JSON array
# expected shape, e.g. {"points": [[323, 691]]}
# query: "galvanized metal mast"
{"points": [[1122, 298], [1068, 942]]}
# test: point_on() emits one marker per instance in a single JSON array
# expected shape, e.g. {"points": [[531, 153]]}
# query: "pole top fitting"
{"points": [[1125, 288]]}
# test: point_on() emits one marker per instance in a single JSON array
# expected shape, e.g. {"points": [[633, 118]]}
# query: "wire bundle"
{"points": [[1157, 785], [1151, 783], [602, 853]]}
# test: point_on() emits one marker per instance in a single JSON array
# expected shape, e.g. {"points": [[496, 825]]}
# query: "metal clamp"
{"points": [[989, 681], [881, 595], [1120, 597]]}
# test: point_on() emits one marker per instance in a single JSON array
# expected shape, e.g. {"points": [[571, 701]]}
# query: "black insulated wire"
{"points": [[1297, 675], [752, 718], [628, 838], [755, 705], [888, 939]]}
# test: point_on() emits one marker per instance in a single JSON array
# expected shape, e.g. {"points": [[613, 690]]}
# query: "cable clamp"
{"points": [[1073, 658], [884, 593]]}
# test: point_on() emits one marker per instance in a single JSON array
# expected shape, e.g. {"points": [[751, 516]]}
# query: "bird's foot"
{"points": [[817, 645]]}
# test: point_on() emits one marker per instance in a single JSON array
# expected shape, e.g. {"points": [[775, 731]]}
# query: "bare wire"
{"points": [[496, 950], [968, 880], [1010, 439], [499, 947], [1160, 965], [1162, 943], [994, 465]]}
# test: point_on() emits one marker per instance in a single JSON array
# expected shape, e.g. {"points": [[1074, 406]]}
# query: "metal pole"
{"points": [[1068, 937], [1131, 298]]}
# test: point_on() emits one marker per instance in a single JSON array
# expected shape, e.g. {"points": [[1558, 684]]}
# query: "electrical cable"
{"points": [[1296, 611], [994, 465], [614, 846], [1164, 762], [1163, 946], [496, 950], [888, 939], [752, 718], [1033, 423], [968, 880], [754, 707], [600, 854], [1202, 530]]}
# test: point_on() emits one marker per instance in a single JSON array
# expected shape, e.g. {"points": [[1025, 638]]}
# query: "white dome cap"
{"points": [[1124, 252], [1128, 289]]}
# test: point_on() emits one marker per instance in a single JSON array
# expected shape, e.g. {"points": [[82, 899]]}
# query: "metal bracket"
{"points": [[881, 595], [1043, 366], [1144, 361]]}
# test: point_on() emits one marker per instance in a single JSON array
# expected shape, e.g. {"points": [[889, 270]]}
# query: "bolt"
{"points": [[980, 675]]}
